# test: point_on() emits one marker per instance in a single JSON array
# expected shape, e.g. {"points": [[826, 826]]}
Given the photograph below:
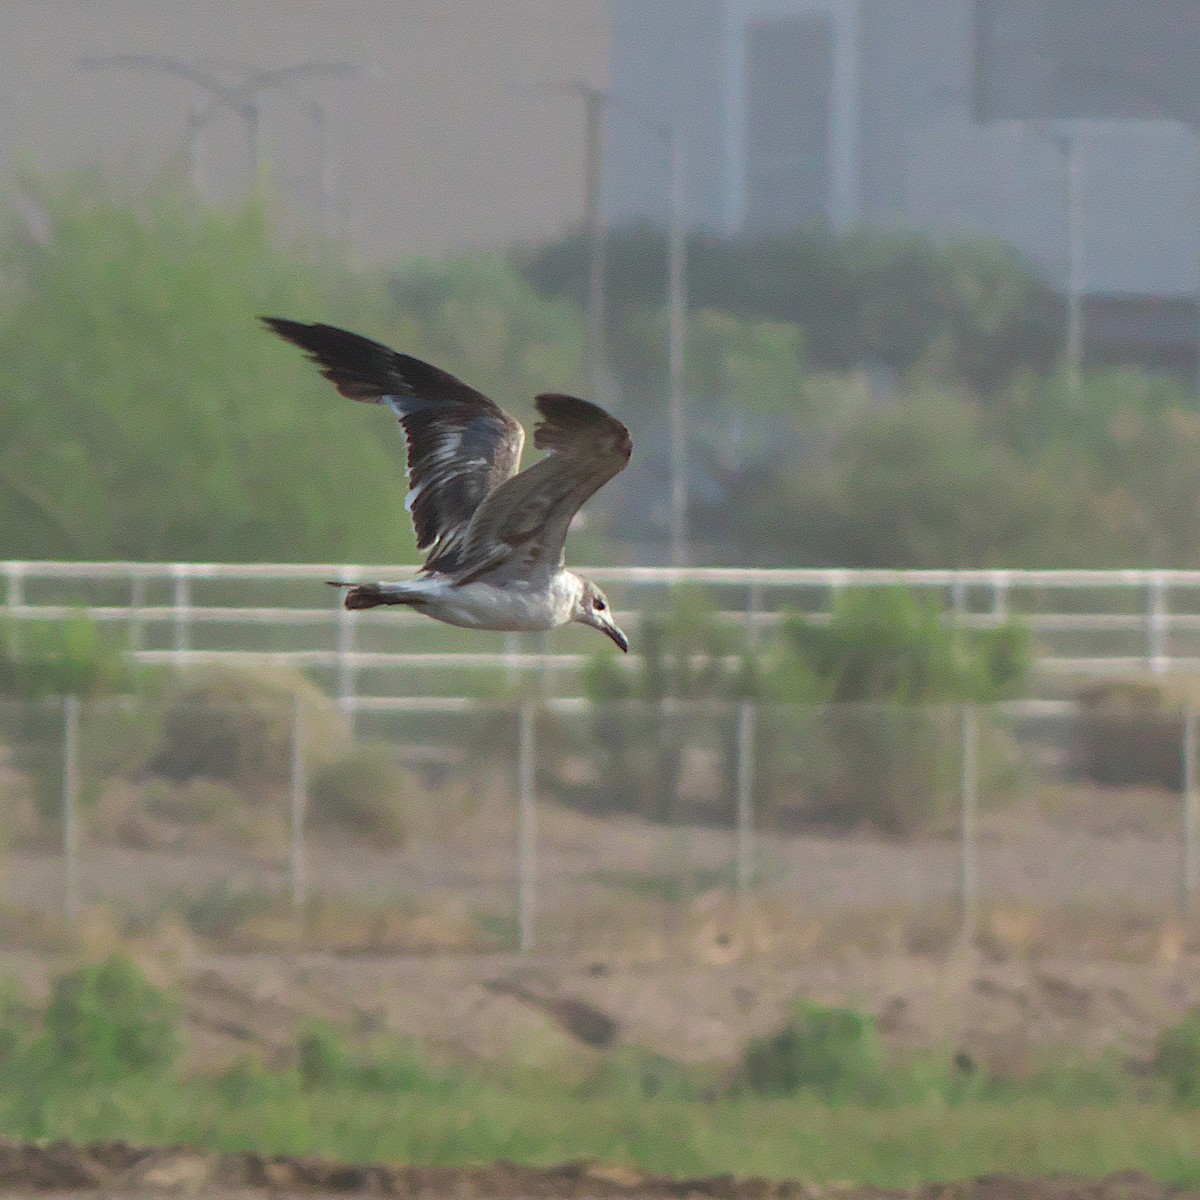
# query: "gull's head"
{"points": [[592, 609]]}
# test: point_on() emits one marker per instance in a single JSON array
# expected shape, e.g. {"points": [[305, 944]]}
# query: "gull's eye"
{"points": [[599, 604]]}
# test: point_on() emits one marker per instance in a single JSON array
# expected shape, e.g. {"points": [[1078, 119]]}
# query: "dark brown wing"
{"points": [[461, 446], [520, 530]]}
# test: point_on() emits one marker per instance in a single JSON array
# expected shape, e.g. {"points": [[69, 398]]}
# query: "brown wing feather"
{"points": [[461, 445], [521, 528]]}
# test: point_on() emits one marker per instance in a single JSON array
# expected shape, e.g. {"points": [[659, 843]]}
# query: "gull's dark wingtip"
{"points": [[284, 327]]}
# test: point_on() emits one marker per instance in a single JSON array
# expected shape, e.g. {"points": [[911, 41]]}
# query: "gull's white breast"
{"points": [[516, 606]]}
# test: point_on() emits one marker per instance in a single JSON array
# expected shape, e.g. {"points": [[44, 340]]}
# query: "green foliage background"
{"points": [[858, 400]]}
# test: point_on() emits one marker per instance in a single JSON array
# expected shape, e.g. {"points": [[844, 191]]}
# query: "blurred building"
{"points": [[852, 111], [446, 141]]}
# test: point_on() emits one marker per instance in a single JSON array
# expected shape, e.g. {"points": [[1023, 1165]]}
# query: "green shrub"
{"points": [[362, 792], [889, 644], [223, 907], [325, 1059], [72, 657], [322, 1057], [833, 1052], [109, 1020], [237, 725], [1177, 1057], [885, 746], [686, 654]]}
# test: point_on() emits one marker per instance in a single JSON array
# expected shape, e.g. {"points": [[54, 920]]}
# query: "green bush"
{"points": [[891, 673], [1177, 1057], [109, 1020], [363, 792], [834, 1053], [324, 1059], [686, 655], [72, 657], [222, 908], [237, 725]]}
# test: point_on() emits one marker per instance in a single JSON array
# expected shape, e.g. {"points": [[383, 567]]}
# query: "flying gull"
{"points": [[494, 537]]}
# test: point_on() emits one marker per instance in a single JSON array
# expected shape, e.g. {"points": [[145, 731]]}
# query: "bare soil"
{"points": [[116, 1170]]}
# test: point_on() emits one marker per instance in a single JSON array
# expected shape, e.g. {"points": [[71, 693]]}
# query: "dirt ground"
{"points": [[117, 1171]]}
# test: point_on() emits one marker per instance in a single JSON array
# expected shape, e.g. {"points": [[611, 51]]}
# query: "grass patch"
{"points": [[270, 1112], [98, 1064]]}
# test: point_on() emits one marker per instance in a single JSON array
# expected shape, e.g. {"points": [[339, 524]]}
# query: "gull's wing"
{"points": [[461, 446], [520, 529]]}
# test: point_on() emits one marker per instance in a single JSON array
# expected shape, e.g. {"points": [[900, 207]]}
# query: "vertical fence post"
{"points": [[181, 602], [512, 648], [969, 825], [70, 806], [1156, 623], [526, 826], [345, 653], [15, 572], [958, 599], [137, 600], [743, 844], [999, 596], [1191, 817], [298, 864]]}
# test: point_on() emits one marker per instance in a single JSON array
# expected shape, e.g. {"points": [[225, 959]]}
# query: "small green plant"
{"points": [[834, 1053], [324, 1059], [109, 1020], [220, 909], [1177, 1057], [363, 792]]}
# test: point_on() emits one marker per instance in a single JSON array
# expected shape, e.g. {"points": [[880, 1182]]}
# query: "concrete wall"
{"points": [[907, 152], [447, 143]]}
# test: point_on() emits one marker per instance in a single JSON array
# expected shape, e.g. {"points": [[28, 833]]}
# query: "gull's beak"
{"points": [[617, 636]]}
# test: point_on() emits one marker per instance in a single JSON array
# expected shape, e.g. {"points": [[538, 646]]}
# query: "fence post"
{"points": [[15, 572], [969, 825], [70, 806], [743, 844], [958, 599], [999, 596], [298, 863], [1156, 623], [345, 651], [137, 600], [1191, 816], [526, 826], [181, 602]]}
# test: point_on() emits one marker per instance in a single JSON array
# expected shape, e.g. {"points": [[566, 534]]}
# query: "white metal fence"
{"points": [[183, 613]]}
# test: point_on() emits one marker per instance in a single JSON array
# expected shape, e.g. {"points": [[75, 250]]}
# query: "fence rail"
{"points": [[1083, 621]]}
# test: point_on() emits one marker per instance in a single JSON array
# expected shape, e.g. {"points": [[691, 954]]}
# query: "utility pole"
{"points": [[243, 98], [678, 311], [1066, 142], [596, 101], [594, 221]]}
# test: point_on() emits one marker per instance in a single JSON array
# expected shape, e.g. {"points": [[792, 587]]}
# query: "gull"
{"points": [[494, 535]]}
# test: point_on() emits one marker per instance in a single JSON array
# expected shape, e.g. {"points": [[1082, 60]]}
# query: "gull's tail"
{"points": [[361, 595], [371, 595]]}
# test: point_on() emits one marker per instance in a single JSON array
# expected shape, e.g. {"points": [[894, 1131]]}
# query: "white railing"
{"points": [[1083, 622]]}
